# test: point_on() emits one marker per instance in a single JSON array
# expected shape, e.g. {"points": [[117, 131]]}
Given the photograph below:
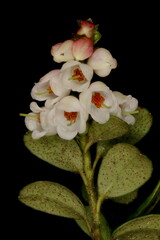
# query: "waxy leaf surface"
{"points": [[52, 198], [123, 170], [113, 128], [146, 228], [56, 151]]}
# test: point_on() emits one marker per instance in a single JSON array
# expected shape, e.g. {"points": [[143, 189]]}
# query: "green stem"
{"points": [[98, 156], [88, 179]]}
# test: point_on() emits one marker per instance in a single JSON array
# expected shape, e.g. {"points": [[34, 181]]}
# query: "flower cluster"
{"points": [[69, 94]]}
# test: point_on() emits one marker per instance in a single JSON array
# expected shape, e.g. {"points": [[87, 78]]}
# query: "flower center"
{"points": [[71, 116], [97, 99], [77, 75], [49, 91]]}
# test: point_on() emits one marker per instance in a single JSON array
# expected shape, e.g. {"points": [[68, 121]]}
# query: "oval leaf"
{"points": [[113, 128], [140, 235], [123, 170], [56, 151], [52, 198], [126, 199], [141, 127], [149, 223]]}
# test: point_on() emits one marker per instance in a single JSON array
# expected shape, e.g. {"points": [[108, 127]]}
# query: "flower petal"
{"points": [[87, 28], [62, 52], [82, 48]]}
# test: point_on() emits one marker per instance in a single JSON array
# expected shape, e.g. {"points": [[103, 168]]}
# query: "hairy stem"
{"points": [[88, 179]]}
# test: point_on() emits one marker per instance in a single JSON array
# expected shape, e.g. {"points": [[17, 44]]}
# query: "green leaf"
{"points": [[103, 147], [126, 199], [135, 132], [140, 235], [144, 227], [113, 128], [151, 201], [104, 227], [84, 192], [56, 151], [141, 127], [123, 170], [52, 198]]}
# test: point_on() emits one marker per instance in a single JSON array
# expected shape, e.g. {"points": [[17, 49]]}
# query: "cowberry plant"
{"points": [[77, 114]]}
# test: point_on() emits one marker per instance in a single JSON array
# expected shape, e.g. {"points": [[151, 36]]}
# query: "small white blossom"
{"points": [[102, 62], [76, 76], [49, 88], [127, 107], [69, 117], [99, 101], [37, 121]]}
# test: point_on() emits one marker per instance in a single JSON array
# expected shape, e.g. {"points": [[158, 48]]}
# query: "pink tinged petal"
{"points": [[86, 29], [82, 48], [62, 52]]}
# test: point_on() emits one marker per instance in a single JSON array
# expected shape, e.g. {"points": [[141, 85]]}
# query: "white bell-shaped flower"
{"points": [[42, 90], [102, 62], [49, 88], [76, 76], [127, 107], [69, 117], [99, 101], [37, 121]]}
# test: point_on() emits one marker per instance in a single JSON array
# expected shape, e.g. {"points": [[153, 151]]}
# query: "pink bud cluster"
{"points": [[79, 49]]}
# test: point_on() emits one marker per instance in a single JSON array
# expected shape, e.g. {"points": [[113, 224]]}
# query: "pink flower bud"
{"points": [[82, 49], [62, 52], [86, 29]]}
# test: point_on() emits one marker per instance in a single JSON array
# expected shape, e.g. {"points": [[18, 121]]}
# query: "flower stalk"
{"points": [[94, 201]]}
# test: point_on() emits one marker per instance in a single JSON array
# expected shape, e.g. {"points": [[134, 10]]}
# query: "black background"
{"points": [[130, 33]]}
